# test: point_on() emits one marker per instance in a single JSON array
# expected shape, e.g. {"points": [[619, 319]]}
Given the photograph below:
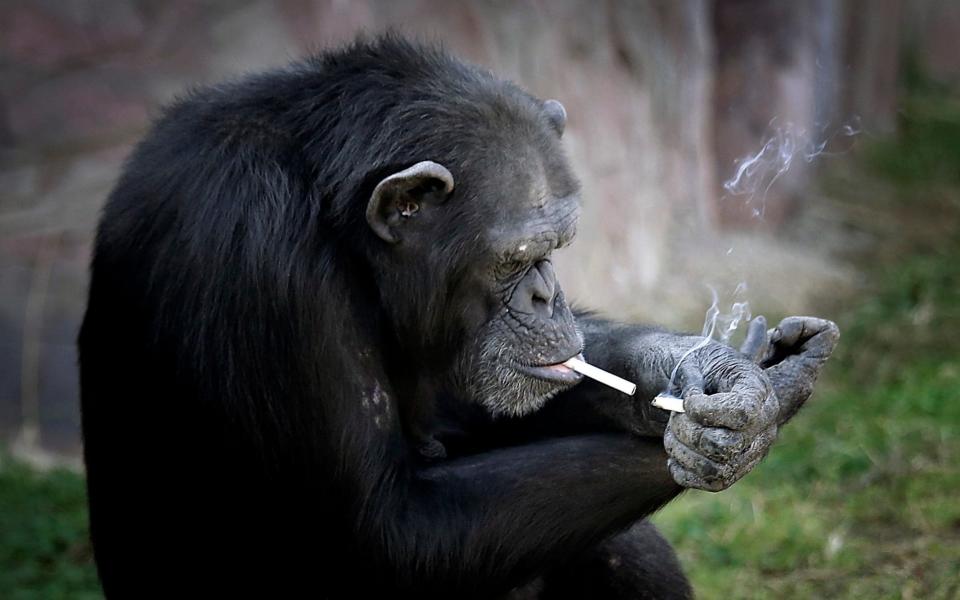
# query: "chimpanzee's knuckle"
{"points": [[695, 406], [672, 466], [721, 444], [714, 483], [833, 335], [769, 410], [766, 386], [718, 486], [790, 330], [756, 381], [669, 439], [760, 445], [753, 407], [829, 329], [682, 476], [822, 345], [674, 425], [739, 416], [706, 475], [713, 446], [688, 432], [676, 449], [675, 471], [750, 460], [713, 471]]}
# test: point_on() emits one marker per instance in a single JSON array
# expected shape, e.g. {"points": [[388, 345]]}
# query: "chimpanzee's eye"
{"points": [[512, 268]]}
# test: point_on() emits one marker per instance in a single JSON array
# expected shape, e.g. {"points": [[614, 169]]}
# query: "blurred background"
{"points": [[796, 157]]}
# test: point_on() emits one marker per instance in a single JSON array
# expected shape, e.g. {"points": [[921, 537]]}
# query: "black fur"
{"points": [[255, 362]]}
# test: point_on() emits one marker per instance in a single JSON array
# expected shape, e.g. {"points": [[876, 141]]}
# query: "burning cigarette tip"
{"points": [[588, 370]]}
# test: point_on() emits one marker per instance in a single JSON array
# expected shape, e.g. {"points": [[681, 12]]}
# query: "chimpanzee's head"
{"points": [[478, 196]]}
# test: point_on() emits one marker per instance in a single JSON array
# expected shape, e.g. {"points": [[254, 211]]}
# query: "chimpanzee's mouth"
{"points": [[553, 372]]}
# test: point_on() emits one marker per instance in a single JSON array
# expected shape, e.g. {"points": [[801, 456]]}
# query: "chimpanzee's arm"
{"points": [[485, 523], [731, 417], [792, 355], [646, 356]]}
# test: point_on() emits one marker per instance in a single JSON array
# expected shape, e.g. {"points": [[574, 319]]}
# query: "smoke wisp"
{"points": [[782, 148], [718, 325], [752, 180]]}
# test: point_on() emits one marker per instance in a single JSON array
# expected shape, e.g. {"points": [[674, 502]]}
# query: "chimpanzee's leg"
{"points": [[637, 564]]}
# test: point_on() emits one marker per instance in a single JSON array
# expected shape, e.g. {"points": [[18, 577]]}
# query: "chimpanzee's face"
{"points": [[483, 243], [513, 364]]}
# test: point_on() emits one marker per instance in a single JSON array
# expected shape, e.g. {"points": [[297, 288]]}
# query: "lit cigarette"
{"points": [[667, 402], [602, 376]]}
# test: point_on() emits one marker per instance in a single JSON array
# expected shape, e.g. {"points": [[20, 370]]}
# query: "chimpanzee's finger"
{"points": [[803, 347], [793, 379], [717, 443], [822, 340], [796, 331], [692, 480], [791, 331], [727, 409], [724, 368], [757, 449], [740, 409], [751, 459], [768, 407], [743, 388], [690, 378], [754, 346], [691, 469]]}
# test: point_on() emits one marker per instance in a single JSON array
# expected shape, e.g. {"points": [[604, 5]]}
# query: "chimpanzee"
{"points": [[322, 354]]}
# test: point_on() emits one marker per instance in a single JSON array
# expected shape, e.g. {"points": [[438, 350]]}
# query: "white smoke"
{"points": [[755, 175], [718, 325], [784, 145]]}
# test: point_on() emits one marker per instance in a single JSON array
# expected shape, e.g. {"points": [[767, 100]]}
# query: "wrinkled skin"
{"points": [[723, 435], [792, 355], [734, 401]]}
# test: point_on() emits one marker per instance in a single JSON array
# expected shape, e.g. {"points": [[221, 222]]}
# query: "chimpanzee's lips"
{"points": [[554, 373]]}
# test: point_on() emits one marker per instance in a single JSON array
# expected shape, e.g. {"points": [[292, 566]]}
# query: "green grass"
{"points": [[44, 550], [927, 145]]}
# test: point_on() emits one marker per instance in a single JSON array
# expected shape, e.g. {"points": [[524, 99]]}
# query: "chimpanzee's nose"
{"points": [[543, 288], [537, 291]]}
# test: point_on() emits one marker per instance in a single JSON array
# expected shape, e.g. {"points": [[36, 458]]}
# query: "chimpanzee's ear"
{"points": [[401, 196], [556, 114]]}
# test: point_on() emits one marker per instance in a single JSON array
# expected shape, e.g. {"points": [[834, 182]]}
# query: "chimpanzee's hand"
{"points": [[792, 355], [730, 413]]}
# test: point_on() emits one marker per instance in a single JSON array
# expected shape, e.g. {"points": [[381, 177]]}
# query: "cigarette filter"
{"points": [[602, 376]]}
